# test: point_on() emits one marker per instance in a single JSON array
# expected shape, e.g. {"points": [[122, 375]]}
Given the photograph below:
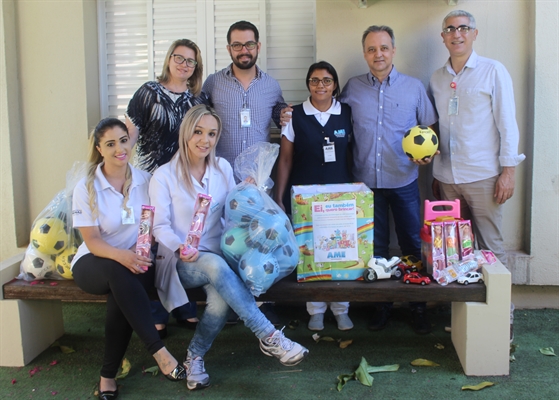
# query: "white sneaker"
{"points": [[196, 375], [344, 323], [286, 351], [316, 323]]}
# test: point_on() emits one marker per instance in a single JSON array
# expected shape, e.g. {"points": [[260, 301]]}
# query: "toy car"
{"points": [[416, 277], [471, 277], [413, 261], [380, 268], [402, 269]]}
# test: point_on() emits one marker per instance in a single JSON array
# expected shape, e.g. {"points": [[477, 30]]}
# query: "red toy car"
{"points": [[416, 277]]}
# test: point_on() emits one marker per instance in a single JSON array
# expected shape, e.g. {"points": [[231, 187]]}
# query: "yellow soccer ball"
{"points": [[420, 142], [63, 262], [49, 235]]}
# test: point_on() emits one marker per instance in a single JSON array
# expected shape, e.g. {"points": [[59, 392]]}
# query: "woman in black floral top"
{"points": [[156, 110], [153, 118]]}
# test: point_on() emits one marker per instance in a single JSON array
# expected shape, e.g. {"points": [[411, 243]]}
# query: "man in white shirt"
{"points": [[478, 132]]}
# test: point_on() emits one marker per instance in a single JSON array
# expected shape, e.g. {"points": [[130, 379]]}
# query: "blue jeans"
{"points": [[161, 316], [223, 289], [405, 205]]}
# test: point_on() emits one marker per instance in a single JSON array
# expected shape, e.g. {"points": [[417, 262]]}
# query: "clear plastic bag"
{"points": [[258, 243], [53, 242]]}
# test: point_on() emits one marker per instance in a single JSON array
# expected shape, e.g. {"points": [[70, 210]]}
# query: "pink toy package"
{"points": [[438, 248], [466, 240], [143, 245], [201, 209], [451, 242]]}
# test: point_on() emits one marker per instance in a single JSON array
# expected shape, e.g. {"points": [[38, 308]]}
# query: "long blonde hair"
{"points": [[95, 158], [195, 81], [188, 125]]}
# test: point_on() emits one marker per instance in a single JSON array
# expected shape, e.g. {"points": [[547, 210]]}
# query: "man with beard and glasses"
{"points": [[244, 96]]}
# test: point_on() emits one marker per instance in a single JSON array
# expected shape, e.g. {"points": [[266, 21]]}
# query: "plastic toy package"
{"points": [[457, 270], [53, 240], [197, 225], [258, 242], [145, 233]]}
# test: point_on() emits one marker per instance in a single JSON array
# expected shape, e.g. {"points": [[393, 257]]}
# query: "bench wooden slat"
{"points": [[286, 290]]}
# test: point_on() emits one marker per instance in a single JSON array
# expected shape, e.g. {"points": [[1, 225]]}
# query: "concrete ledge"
{"points": [[481, 331], [27, 327]]}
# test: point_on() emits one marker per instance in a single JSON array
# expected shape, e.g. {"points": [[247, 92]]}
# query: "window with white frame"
{"points": [[134, 36]]}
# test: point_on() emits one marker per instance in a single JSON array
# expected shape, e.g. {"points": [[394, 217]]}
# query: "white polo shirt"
{"points": [[109, 206], [321, 116], [174, 205]]}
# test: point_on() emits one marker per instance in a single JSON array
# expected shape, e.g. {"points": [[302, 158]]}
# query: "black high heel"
{"points": [[107, 394], [178, 374]]}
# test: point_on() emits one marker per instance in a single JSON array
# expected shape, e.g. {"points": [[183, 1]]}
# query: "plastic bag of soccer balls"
{"points": [[53, 242], [259, 243]]}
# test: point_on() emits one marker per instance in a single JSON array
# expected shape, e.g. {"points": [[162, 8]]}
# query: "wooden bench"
{"points": [[480, 313]]}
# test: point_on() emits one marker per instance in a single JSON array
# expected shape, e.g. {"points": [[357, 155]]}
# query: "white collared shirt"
{"points": [[483, 137], [174, 205], [321, 116], [109, 209]]}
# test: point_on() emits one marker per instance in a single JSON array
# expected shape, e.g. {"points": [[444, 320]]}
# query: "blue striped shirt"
{"points": [[382, 114], [228, 96]]}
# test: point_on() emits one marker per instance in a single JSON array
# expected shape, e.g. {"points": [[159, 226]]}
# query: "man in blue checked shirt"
{"points": [[385, 104], [244, 96]]}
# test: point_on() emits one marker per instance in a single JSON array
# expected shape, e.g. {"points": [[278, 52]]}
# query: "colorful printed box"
{"points": [[333, 225]]}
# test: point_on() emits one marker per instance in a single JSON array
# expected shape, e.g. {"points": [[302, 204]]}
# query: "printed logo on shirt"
{"points": [[76, 211], [339, 133], [214, 206]]}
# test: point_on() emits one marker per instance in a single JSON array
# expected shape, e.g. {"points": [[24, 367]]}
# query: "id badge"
{"points": [[453, 106], [127, 217], [245, 118], [329, 153]]}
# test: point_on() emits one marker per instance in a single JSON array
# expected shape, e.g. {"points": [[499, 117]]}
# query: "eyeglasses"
{"points": [[325, 81], [461, 29], [180, 59], [239, 46]]}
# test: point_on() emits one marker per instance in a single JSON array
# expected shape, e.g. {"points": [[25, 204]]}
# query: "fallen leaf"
{"points": [[439, 346], [512, 358], [317, 338], [67, 350], [383, 368], [54, 393], [293, 324], [125, 369], [153, 370], [547, 351], [342, 380], [34, 283], [13, 381], [345, 343], [55, 344], [362, 375], [54, 362], [513, 348], [480, 386], [54, 283], [34, 371], [413, 371], [421, 362]]}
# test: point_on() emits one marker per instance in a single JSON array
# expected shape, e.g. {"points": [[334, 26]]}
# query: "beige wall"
{"points": [[52, 106], [47, 113]]}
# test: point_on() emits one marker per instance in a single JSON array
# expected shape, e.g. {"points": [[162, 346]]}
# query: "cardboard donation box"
{"points": [[333, 225]]}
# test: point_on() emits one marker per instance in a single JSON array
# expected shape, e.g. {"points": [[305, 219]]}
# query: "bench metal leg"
{"points": [[481, 331], [27, 327]]}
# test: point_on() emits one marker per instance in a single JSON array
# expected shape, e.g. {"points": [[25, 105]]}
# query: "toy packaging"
{"points": [[201, 209], [143, 245], [438, 248], [451, 242], [258, 242], [466, 240], [334, 226]]}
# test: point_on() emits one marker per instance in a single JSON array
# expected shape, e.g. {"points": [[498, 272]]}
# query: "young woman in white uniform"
{"points": [[173, 191], [106, 209]]}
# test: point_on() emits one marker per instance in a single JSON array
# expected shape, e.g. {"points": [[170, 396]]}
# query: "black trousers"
{"points": [[128, 306]]}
